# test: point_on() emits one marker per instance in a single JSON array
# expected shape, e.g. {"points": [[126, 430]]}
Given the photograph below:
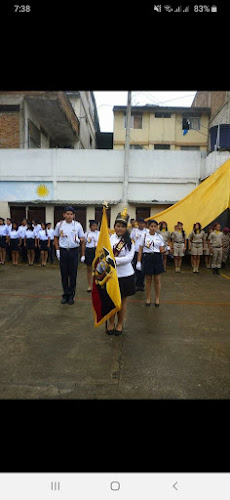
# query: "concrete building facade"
{"points": [[47, 120], [156, 127]]}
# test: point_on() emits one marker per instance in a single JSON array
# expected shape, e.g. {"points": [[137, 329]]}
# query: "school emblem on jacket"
{"points": [[102, 271]]}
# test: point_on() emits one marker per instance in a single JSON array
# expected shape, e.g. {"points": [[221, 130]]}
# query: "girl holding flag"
{"points": [[123, 250]]}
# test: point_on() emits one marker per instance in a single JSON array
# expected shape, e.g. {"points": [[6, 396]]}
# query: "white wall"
{"points": [[79, 175]]}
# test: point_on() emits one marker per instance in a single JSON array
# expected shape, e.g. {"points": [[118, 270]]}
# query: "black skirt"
{"points": [[2, 241], [14, 245], [30, 243], [153, 263], [127, 286], [43, 245], [89, 255]]}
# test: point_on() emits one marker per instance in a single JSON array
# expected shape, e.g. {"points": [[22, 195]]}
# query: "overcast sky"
{"points": [[106, 100]]}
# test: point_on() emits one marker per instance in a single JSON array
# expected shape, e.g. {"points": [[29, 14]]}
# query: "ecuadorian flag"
{"points": [[106, 297]]}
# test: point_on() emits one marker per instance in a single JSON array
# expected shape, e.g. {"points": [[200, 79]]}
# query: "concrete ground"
{"points": [[180, 350]]}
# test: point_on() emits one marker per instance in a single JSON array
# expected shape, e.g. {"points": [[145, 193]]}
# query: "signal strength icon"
{"points": [[179, 9], [186, 9]]}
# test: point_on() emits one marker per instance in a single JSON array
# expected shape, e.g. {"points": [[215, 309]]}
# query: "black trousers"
{"points": [[51, 252], [68, 267], [140, 278]]}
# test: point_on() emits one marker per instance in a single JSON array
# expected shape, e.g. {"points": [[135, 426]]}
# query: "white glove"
{"points": [[167, 248], [138, 266], [58, 254], [83, 258]]}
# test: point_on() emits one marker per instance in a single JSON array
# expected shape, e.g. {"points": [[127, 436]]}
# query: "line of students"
{"points": [[31, 239], [214, 245]]}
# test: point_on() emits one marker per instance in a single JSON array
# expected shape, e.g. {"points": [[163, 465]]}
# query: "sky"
{"points": [[106, 100]]}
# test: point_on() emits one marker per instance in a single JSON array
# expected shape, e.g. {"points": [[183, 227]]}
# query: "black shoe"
{"points": [[64, 300], [70, 301], [110, 332], [157, 305], [214, 270], [148, 304], [117, 332]]}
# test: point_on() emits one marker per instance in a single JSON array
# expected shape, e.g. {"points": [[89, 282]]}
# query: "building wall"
{"points": [[210, 99], [10, 130], [161, 131]]}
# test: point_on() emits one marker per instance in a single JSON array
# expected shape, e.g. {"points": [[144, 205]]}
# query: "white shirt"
{"points": [[51, 233], [22, 230], [36, 229], [69, 234], [3, 230], [136, 235], [8, 228], [29, 234], [14, 234], [124, 260], [151, 243], [42, 235], [91, 238]]}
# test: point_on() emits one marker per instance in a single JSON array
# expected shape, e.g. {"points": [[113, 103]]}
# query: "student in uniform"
{"points": [[152, 246], [15, 241], [22, 228], [206, 249], [178, 246], [133, 223], [8, 227], [36, 227], [50, 231], [136, 235], [215, 246], [166, 235], [68, 235], [3, 235], [43, 243], [91, 239], [226, 244], [29, 243], [196, 241], [123, 250]]}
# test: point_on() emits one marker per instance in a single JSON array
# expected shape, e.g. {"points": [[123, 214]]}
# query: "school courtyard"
{"points": [[180, 350]]}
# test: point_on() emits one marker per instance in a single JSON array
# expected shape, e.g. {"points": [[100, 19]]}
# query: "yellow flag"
{"points": [[106, 297]]}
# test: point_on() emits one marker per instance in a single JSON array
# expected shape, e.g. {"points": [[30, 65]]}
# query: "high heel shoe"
{"points": [[147, 304], [157, 305]]}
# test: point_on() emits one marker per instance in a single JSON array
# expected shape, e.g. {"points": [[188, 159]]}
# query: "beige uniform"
{"points": [[178, 243], [166, 235], [226, 245], [216, 241], [197, 242], [206, 247]]}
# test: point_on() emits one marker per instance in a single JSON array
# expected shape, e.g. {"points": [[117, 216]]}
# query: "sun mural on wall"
{"points": [[42, 191]]}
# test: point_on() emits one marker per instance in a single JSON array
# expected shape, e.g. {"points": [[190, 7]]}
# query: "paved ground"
{"points": [[49, 350]]}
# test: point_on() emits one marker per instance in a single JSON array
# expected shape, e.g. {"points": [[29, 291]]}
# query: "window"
{"points": [[90, 140], [34, 136], [143, 212], [162, 115], [136, 146], [161, 146], [190, 123], [190, 148], [135, 120]]}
